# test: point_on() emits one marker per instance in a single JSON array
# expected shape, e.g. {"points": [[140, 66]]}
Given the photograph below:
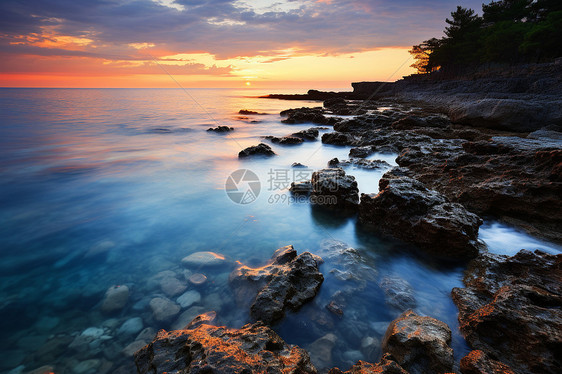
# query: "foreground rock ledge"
{"points": [[286, 283], [406, 209], [419, 344], [511, 309], [254, 348]]}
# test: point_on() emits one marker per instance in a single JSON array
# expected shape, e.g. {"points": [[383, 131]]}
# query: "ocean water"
{"points": [[105, 187]]}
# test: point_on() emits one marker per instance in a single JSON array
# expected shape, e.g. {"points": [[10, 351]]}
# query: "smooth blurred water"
{"points": [[105, 187]]}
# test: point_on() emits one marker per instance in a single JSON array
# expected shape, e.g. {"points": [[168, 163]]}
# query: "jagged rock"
{"points": [[385, 366], [477, 362], [337, 105], [308, 134], [254, 348], [360, 163], [286, 140], [298, 165], [406, 209], [339, 138], [115, 299], [419, 344], [305, 115], [221, 129], [511, 309], [333, 182], [516, 179], [260, 149], [360, 152], [286, 283]]}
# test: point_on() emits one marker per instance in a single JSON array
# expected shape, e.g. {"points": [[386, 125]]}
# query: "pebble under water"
{"points": [[105, 191]]}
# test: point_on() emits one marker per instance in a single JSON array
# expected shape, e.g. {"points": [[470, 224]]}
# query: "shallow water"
{"points": [[104, 187]]}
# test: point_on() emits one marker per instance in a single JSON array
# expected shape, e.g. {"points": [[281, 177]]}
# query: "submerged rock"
{"points": [[320, 350], [511, 309], [308, 134], [115, 299], [163, 309], [221, 129], [254, 348], [250, 112], [419, 344], [286, 283], [398, 293], [406, 209], [203, 259], [333, 183], [260, 149]]}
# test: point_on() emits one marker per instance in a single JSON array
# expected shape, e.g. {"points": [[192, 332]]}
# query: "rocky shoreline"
{"points": [[460, 159]]}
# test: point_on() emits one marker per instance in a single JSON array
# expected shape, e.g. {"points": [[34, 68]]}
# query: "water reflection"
{"points": [[114, 187]]}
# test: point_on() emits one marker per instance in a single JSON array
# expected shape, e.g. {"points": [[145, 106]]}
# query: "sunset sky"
{"points": [[213, 43]]}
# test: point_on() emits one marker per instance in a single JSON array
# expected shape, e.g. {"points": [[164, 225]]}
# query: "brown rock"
{"points": [[254, 348], [477, 362], [419, 344]]}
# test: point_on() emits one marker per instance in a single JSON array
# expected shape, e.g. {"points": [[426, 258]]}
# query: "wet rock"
{"points": [[360, 152], [253, 348], [477, 362], [301, 188], [370, 347], [115, 299], [360, 163], [334, 183], [511, 309], [305, 115], [337, 105], [406, 209], [419, 344], [163, 309], [285, 283], [320, 350], [250, 112], [339, 138], [518, 180], [385, 366], [398, 293], [221, 129], [130, 326], [287, 140], [260, 149], [189, 298], [335, 308], [413, 122], [308, 134], [203, 259]]}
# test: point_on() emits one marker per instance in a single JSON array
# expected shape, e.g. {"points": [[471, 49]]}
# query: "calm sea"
{"points": [[104, 187]]}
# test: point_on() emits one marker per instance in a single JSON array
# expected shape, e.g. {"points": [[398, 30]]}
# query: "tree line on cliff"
{"points": [[509, 31]]}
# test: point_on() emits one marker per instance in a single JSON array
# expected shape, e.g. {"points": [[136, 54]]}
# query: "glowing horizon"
{"points": [[215, 43]]}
